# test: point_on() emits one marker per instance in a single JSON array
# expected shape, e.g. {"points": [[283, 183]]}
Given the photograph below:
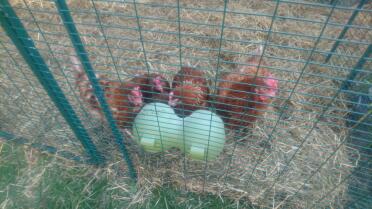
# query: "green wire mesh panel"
{"points": [[307, 145], [27, 113]]}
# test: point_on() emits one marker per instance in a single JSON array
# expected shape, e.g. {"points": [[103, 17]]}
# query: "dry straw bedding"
{"points": [[277, 180]]}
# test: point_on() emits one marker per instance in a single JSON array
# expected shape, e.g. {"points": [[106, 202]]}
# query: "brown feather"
{"points": [[149, 91], [240, 100], [190, 87], [120, 96]]}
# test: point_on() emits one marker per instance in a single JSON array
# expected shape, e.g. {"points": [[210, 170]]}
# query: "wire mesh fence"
{"points": [[268, 101]]}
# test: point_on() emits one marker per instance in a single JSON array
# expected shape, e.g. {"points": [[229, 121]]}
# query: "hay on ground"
{"points": [[277, 180]]}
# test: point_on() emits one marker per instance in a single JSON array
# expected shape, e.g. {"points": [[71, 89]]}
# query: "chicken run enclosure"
{"points": [[290, 79]]}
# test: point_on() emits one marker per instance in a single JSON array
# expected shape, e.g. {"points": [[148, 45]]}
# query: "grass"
{"points": [[29, 179], [200, 43], [169, 197], [10, 167], [44, 183]]}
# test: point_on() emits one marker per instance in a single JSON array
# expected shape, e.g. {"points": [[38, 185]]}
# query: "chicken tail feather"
{"points": [[84, 86]]}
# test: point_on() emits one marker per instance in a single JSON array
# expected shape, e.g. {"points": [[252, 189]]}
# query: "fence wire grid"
{"points": [[291, 81]]}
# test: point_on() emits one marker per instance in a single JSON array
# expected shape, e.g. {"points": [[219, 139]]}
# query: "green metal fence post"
{"points": [[357, 67], [25, 45], [83, 56], [345, 29]]}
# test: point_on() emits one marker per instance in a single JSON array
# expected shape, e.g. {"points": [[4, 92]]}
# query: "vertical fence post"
{"points": [[83, 56], [359, 65], [345, 29], [25, 45]]}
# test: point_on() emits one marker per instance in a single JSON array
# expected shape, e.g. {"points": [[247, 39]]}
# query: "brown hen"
{"points": [[243, 97], [154, 87], [189, 91], [124, 99]]}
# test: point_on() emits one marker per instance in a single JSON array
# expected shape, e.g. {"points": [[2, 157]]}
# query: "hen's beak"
{"points": [[173, 102]]}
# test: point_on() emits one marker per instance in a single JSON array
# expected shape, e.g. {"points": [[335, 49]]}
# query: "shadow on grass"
{"points": [[44, 183], [29, 179]]}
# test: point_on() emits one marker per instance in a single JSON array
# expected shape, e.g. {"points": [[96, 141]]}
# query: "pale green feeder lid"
{"points": [[157, 128], [197, 152], [150, 142], [205, 135]]}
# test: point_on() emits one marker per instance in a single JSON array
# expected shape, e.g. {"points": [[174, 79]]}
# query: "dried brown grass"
{"points": [[232, 174]]}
